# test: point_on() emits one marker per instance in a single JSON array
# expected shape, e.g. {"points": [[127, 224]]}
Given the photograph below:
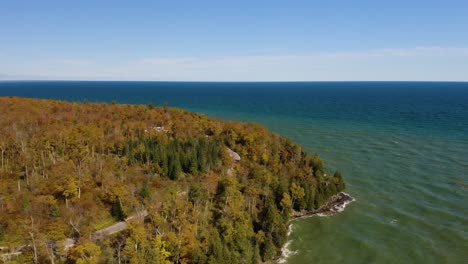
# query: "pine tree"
{"points": [[117, 210], [144, 192], [269, 249], [175, 169], [340, 186], [54, 211], [256, 254], [215, 252]]}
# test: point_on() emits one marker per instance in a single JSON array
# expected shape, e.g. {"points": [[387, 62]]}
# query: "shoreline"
{"points": [[336, 204]]}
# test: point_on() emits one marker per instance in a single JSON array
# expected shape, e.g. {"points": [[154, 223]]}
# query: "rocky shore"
{"points": [[336, 204]]}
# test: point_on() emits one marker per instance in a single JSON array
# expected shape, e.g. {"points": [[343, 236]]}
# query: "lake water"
{"points": [[401, 146]]}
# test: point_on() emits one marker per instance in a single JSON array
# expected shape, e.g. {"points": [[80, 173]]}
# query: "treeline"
{"points": [[69, 169]]}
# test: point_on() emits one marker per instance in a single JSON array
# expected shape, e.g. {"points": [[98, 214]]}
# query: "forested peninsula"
{"points": [[183, 187]]}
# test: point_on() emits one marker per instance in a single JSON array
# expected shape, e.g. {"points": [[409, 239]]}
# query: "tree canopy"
{"points": [[69, 169]]}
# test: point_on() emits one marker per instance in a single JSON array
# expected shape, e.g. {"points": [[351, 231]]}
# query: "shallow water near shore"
{"points": [[401, 147]]}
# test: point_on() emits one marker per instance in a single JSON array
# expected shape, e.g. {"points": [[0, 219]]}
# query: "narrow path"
{"points": [[99, 234], [117, 227]]}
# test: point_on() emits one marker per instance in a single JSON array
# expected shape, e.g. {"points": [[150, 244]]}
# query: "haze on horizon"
{"points": [[234, 40]]}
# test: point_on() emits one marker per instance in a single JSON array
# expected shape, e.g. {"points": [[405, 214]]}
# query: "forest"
{"points": [[213, 191]]}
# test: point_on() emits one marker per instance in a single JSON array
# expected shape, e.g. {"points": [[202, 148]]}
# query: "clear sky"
{"points": [[234, 40]]}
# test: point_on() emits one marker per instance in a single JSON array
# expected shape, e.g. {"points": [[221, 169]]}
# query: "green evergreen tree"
{"points": [[340, 185], [256, 258], [2, 232], [269, 249], [215, 252], [271, 215], [175, 169], [54, 211], [144, 192], [117, 210]]}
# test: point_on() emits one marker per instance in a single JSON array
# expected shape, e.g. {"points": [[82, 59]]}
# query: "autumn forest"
{"points": [[182, 187]]}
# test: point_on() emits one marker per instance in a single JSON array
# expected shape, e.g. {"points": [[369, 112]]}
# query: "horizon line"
{"points": [[201, 81]]}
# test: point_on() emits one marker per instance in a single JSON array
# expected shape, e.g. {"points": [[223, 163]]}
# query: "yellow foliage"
{"points": [[87, 253]]}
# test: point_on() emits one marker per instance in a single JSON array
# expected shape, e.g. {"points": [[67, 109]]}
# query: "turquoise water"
{"points": [[403, 148]]}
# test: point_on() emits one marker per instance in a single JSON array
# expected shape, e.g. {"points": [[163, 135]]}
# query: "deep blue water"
{"points": [[414, 105], [402, 146]]}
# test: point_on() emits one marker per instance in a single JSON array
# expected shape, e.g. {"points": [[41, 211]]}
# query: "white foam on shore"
{"points": [[323, 215], [340, 208], [285, 251], [290, 229], [337, 208]]}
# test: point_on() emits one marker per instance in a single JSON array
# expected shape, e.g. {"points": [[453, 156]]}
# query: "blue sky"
{"points": [[234, 40]]}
